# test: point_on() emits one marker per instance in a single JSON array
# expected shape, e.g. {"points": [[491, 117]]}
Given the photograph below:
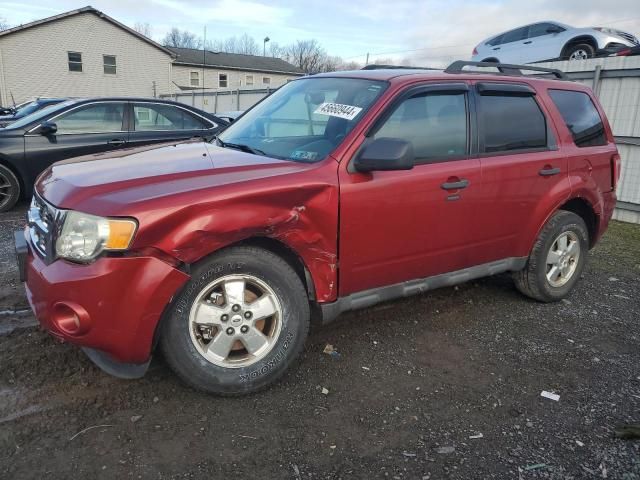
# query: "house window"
{"points": [[222, 80], [75, 61], [109, 63], [195, 79], [248, 80], [266, 80]]}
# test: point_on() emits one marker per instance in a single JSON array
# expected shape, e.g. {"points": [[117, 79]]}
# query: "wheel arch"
{"points": [[583, 208], [588, 39]]}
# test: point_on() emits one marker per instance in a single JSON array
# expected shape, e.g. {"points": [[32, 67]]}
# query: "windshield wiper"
{"points": [[241, 147]]}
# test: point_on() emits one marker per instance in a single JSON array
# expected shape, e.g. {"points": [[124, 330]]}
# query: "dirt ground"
{"points": [[442, 385]]}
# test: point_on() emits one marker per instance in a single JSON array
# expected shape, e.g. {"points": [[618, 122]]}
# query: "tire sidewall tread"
{"points": [[201, 374], [15, 183]]}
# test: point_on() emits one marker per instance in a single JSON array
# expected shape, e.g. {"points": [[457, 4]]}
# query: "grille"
{"points": [[42, 218], [628, 37]]}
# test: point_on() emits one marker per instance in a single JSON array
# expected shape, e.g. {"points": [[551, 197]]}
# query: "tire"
{"points": [[579, 51], [533, 281], [196, 350], [9, 189]]}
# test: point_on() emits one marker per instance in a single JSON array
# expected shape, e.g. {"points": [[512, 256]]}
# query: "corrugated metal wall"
{"points": [[617, 85]]}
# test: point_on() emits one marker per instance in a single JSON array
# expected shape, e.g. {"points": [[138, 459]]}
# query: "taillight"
{"points": [[616, 168], [623, 53], [475, 51]]}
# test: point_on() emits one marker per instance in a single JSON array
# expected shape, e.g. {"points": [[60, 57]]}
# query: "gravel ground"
{"points": [[442, 385]]}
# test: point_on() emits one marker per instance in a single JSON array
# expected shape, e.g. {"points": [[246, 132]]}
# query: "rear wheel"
{"points": [[580, 51], [556, 260], [9, 189], [238, 324]]}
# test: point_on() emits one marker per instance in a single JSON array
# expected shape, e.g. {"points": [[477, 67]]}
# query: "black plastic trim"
{"points": [[368, 298], [495, 88], [107, 364]]}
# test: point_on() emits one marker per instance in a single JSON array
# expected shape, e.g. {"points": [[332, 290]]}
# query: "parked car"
{"points": [[83, 126], [547, 41], [28, 108], [337, 192]]}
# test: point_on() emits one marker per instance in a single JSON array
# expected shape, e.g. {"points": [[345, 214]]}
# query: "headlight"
{"points": [[608, 31], [84, 237]]}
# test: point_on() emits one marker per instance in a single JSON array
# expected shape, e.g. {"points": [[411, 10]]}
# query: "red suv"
{"points": [[336, 192]]}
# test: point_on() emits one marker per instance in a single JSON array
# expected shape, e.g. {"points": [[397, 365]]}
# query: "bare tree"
{"points": [[143, 28], [307, 55], [181, 39], [244, 44], [4, 25]]}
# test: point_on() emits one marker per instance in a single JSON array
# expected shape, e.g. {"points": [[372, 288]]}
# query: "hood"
{"points": [[111, 183]]}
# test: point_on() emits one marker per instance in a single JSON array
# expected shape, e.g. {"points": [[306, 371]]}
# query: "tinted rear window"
{"points": [[581, 117], [511, 123]]}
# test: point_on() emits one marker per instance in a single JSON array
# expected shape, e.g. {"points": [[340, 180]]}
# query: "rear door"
{"points": [[88, 128], [522, 168], [164, 122], [510, 48], [401, 225]]}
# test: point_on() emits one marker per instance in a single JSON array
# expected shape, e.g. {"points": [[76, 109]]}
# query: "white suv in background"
{"points": [[551, 41]]}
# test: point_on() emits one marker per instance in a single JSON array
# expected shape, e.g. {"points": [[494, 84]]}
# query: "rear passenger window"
{"points": [[580, 116], [436, 125], [510, 123]]}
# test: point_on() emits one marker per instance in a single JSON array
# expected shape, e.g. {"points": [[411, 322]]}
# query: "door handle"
{"points": [[455, 185], [527, 43], [116, 142], [497, 48], [548, 171]]}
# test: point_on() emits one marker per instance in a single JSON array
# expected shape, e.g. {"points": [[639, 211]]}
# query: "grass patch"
{"points": [[619, 249]]}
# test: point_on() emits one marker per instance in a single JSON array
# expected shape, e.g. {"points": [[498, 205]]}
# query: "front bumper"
{"points": [[111, 306]]}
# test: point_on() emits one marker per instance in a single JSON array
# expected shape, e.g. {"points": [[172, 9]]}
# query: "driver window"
{"points": [[94, 118], [436, 125]]}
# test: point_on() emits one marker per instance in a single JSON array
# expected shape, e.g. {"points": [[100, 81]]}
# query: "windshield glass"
{"points": [[304, 120], [38, 115]]}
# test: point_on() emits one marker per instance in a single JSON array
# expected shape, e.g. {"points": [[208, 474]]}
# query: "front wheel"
{"points": [[556, 260], [581, 51], [238, 324], [9, 189]]}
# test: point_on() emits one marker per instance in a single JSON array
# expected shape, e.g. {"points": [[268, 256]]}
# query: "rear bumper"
{"points": [[112, 305]]}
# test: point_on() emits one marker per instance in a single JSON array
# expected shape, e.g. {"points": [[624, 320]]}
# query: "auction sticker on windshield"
{"points": [[348, 112]]}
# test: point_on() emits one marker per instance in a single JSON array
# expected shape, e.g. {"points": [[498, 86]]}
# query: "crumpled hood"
{"points": [[111, 183]]}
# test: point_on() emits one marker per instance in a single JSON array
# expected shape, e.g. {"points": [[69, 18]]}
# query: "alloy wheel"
{"points": [[235, 321], [562, 259]]}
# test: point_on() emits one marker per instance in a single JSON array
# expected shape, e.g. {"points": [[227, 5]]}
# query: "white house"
{"points": [[85, 53]]}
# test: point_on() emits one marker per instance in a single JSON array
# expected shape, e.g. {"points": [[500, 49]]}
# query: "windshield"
{"points": [[304, 120], [28, 109], [39, 115]]}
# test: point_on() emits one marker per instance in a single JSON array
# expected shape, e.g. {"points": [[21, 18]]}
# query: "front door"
{"points": [[401, 225], [90, 128]]}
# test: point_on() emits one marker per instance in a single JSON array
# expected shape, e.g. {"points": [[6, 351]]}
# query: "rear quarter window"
{"points": [[580, 116]]}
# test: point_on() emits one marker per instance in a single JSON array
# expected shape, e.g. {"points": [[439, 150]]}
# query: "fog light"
{"points": [[70, 318]]}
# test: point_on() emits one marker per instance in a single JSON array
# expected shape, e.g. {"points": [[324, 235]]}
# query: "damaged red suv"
{"points": [[336, 192]]}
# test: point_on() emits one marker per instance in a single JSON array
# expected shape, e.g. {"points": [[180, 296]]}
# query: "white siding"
{"points": [[235, 78], [33, 62]]}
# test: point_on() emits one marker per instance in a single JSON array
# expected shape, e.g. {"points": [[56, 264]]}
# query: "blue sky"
{"points": [[427, 32]]}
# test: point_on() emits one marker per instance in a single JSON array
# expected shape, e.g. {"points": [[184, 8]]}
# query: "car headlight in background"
{"points": [[84, 237], [608, 31]]}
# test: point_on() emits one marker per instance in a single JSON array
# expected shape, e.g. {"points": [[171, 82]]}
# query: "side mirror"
{"points": [[554, 29], [385, 154], [48, 128]]}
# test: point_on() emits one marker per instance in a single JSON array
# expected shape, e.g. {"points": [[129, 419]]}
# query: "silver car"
{"points": [[551, 41]]}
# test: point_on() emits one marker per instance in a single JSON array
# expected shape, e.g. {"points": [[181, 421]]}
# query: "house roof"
{"points": [[233, 61], [87, 9]]}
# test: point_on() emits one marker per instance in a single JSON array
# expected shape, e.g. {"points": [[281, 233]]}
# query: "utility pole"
{"points": [[204, 61], [264, 46], [366, 62]]}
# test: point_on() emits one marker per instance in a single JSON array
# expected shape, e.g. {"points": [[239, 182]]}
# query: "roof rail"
{"points": [[395, 67], [503, 68]]}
